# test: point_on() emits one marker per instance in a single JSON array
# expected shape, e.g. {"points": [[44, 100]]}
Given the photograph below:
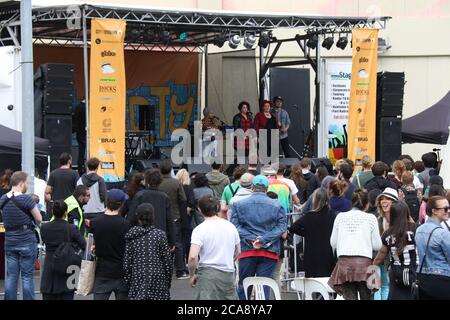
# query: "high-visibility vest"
{"points": [[72, 203]]}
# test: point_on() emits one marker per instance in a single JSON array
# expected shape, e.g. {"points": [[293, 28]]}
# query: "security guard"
{"points": [[75, 203]]}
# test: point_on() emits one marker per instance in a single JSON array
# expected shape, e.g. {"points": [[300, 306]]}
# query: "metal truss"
{"points": [[59, 25], [220, 20]]}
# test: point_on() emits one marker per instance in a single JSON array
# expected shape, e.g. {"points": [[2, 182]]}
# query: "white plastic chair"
{"points": [[308, 286], [258, 284]]}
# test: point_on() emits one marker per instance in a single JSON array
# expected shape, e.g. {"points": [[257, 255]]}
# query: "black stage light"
{"points": [[264, 39], [342, 43], [165, 36], [219, 40], [328, 43], [312, 41]]}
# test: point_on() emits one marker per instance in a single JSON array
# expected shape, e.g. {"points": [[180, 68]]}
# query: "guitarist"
{"points": [[20, 215]]}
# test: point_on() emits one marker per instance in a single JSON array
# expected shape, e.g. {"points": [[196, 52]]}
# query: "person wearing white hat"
{"points": [[384, 202]]}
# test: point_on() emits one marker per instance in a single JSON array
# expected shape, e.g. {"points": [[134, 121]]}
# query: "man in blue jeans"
{"points": [[260, 222], [19, 214]]}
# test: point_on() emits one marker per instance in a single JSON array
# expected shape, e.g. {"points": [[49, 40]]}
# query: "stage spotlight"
{"points": [[328, 43], [264, 39], [312, 42], [219, 40], [134, 35], [249, 40], [342, 43], [234, 41], [165, 36]]}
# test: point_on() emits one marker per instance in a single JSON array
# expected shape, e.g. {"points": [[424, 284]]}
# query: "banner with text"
{"points": [[337, 98], [107, 98], [362, 108]]}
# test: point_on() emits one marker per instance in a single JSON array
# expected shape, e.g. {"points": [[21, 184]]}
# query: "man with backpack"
{"points": [[20, 214], [97, 189], [410, 195]]}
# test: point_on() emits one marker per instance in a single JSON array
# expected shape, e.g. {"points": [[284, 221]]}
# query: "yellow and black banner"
{"points": [[107, 98], [362, 107]]}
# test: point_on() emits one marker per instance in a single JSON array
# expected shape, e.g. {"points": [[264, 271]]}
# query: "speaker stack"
{"points": [[390, 90], [58, 96]]}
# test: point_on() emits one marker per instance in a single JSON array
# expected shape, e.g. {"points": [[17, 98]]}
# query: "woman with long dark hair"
{"points": [[300, 182], [398, 242], [137, 183], [316, 227], [243, 120]]}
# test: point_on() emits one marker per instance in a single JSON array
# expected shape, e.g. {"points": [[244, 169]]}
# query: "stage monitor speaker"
{"points": [[390, 90], [58, 130], [317, 162], [143, 165], [289, 162], [58, 90], [389, 139]]}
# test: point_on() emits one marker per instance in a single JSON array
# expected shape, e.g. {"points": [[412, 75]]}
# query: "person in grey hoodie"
{"points": [[97, 189], [217, 180]]}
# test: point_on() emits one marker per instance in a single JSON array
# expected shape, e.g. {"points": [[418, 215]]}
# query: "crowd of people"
{"points": [[217, 230]]}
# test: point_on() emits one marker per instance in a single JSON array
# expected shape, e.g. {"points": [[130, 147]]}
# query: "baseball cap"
{"points": [[246, 180], [260, 181], [277, 98], [117, 195]]}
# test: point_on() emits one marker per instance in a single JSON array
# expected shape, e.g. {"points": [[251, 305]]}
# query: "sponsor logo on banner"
{"points": [[362, 111], [107, 68], [107, 89], [107, 165], [108, 53], [107, 86], [107, 140]]}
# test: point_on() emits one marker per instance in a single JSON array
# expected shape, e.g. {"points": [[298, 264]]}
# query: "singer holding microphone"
{"points": [[243, 120]]}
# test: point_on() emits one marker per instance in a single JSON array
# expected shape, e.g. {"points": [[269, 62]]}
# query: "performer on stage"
{"points": [[243, 120], [283, 123], [266, 120], [210, 121]]}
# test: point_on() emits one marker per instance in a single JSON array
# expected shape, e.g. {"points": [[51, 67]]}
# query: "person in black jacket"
{"points": [[147, 262], [312, 181], [54, 286], [379, 181], [160, 201], [316, 227]]}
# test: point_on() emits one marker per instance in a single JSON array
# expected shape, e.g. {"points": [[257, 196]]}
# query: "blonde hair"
{"points": [[183, 176], [337, 164], [407, 178], [366, 162]]}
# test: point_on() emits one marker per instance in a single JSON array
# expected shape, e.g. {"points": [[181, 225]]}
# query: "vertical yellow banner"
{"points": [[107, 98], [362, 107]]}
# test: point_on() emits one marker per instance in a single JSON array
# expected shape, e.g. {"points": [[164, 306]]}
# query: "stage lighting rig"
{"points": [[312, 41], [249, 39], [328, 42], [234, 41], [264, 39]]}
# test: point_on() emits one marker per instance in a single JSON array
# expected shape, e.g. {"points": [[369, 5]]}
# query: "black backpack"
{"points": [[413, 203], [65, 256]]}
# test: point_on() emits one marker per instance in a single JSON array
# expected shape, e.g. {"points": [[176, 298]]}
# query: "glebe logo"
{"points": [[108, 53], [363, 60]]}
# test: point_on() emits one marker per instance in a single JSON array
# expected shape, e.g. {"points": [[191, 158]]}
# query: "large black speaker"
{"points": [[317, 162], [389, 139], [55, 152], [58, 88], [58, 129], [143, 165], [390, 90]]}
